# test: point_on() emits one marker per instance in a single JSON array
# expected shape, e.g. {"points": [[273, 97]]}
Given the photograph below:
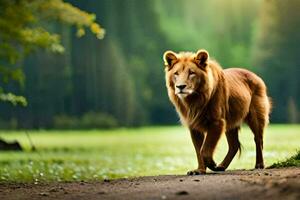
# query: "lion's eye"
{"points": [[191, 73], [176, 73]]}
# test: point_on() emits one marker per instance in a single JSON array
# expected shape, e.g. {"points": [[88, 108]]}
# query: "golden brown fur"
{"points": [[210, 100]]}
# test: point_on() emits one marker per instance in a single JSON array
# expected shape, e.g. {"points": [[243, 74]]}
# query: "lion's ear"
{"points": [[201, 58], [170, 59]]}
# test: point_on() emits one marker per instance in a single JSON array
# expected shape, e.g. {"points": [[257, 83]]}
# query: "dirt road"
{"points": [[256, 184]]}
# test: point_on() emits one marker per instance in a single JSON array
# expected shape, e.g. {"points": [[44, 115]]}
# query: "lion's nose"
{"points": [[180, 87]]}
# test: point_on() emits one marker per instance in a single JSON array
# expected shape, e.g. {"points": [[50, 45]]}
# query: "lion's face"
{"points": [[185, 72], [185, 78]]}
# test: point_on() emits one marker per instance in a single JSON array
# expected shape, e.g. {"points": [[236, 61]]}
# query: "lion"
{"points": [[211, 100]]}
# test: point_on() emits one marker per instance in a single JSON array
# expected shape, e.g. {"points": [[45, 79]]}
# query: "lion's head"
{"points": [[188, 73]]}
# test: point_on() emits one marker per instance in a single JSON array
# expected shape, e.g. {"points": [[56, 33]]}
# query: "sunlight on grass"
{"points": [[97, 154]]}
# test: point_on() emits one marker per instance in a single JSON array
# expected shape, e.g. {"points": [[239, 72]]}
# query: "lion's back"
{"points": [[244, 82], [243, 87]]}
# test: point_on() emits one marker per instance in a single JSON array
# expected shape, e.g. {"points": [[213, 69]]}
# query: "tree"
{"points": [[224, 28], [277, 55], [123, 76], [24, 28]]}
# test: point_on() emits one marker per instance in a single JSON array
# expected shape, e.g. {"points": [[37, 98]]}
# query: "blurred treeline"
{"points": [[119, 81]]}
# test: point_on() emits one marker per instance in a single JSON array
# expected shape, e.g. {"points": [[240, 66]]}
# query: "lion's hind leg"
{"points": [[257, 120], [233, 146]]}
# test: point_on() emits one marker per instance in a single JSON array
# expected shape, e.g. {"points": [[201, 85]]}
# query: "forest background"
{"points": [[118, 81]]}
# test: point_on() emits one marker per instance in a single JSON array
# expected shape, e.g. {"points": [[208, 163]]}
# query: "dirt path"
{"points": [[257, 184]]}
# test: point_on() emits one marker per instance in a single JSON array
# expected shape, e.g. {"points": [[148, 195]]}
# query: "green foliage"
{"points": [[23, 29], [224, 28], [123, 75], [90, 120], [293, 161], [98, 120], [277, 56], [14, 99], [65, 122], [119, 153], [11, 124]]}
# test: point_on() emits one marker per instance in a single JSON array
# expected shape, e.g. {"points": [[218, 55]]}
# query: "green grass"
{"points": [[293, 161], [99, 154]]}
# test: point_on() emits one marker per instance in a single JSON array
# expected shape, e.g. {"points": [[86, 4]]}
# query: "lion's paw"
{"points": [[260, 166], [220, 168], [195, 172], [210, 163]]}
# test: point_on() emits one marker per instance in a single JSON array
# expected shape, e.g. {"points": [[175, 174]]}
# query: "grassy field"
{"points": [[99, 154]]}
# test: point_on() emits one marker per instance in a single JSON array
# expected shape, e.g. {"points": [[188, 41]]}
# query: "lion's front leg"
{"points": [[197, 138], [212, 137]]}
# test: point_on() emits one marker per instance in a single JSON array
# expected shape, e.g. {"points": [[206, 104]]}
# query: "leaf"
{"points": [[14, 99]]}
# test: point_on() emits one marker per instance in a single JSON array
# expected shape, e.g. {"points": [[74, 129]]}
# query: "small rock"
{"points": [[44, 194], [180, 180], [196, 180], [182, 193], [53, 190], [106, 180], [101, 192], [163, 197]]}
